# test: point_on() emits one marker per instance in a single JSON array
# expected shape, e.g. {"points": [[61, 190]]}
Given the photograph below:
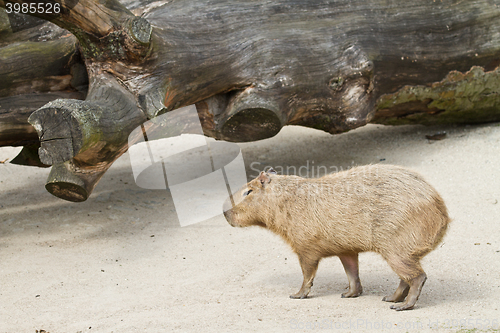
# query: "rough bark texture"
{"points": [[39, 62], [250, 67]]}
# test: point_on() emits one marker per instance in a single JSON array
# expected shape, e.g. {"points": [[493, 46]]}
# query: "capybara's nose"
{"points": [[228, 214]]}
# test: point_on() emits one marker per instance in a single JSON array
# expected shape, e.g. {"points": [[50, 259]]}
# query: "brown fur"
{"points": [[385, 209]]}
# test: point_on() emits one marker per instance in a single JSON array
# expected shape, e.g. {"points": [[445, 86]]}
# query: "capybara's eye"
{"points": [[247, 193]]}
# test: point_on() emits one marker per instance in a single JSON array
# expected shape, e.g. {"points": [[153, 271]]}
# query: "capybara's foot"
{"points": [[401, 307], [303, 292], [391, 299], [350, 295], [309, 267], [353, 292], [400, 293], [299, 295], [415, 287]]}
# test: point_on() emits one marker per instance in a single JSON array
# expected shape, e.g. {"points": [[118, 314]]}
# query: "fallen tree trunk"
{"points": [[252, 67]]}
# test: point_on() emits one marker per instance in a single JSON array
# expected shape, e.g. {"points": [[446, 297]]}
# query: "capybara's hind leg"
{"points": [[309, 267], [400, 293], [350, 263], [416, 285], [411, 274]]}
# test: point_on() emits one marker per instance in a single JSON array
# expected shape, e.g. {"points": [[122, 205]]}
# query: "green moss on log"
{"points": [[470, 97]]}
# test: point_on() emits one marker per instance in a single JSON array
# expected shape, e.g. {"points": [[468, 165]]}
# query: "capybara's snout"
{"points": [[227, 208], [228, 214]]}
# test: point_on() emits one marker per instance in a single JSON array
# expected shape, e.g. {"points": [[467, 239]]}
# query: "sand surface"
{"points": [[120, 262]]}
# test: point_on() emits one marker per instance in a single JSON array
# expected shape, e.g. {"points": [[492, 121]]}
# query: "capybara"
{"points": [[385, 209]]}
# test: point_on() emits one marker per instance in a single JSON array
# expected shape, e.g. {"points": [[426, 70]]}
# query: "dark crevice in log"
{"points": [[29, 157]]}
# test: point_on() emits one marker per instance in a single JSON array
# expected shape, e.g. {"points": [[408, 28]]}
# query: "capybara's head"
{"points": [[249, 205]]}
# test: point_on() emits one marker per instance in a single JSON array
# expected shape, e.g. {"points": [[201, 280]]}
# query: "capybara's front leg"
{"points": [[309, 267], [350, 263]]}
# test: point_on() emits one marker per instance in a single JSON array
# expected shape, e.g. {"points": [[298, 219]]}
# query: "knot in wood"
{"points": [[336, 83]]}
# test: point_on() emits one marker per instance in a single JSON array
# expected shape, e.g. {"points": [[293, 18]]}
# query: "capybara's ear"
{"points": [[272, 171], [264, 178]]}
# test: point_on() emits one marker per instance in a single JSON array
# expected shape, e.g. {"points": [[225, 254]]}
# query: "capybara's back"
{"points": [[381, 208], [392, 211]]}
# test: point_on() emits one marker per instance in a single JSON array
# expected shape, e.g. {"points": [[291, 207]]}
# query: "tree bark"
{"points": [[251, 67]]}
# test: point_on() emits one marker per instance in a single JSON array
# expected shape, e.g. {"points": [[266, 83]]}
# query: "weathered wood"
{"points": [[324, 64], [96, 129], [252, 67], [104, 27], [39, 62], [99, 125], [73, 181]]}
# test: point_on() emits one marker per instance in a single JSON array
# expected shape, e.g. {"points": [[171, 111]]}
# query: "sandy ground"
{"points": [[120, 262]]}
